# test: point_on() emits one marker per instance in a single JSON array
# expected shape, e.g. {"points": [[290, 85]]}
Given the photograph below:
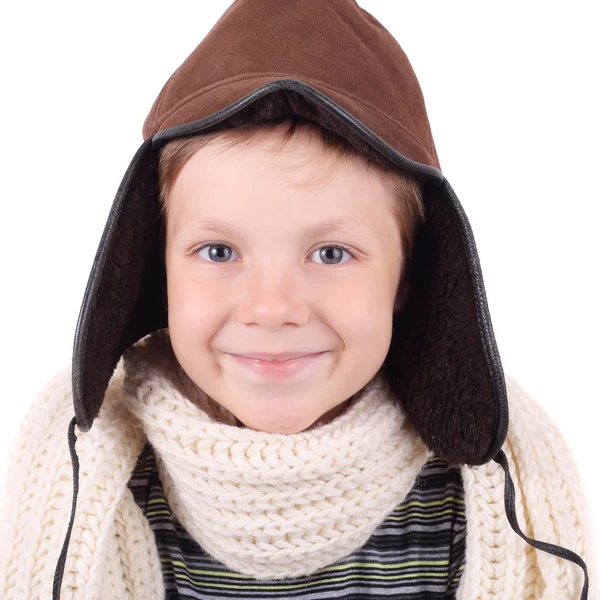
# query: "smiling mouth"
{"points": [[276, 369], [277, 358], [276, 361]]}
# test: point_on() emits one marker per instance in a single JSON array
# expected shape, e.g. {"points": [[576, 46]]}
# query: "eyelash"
{"points": [[344, 248]]}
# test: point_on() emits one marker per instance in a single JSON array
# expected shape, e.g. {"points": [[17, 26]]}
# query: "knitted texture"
{"points": [[112, 553], [550, 507], [269, 505]]}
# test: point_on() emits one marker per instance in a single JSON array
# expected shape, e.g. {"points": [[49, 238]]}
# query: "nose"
{"points": [[271, 298]]}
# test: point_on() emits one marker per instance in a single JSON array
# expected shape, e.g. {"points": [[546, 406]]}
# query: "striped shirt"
{"points": [[417, 552]]}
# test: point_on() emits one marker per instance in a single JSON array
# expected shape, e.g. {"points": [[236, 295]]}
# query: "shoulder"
{"points": [[546, 472], [537, 447], [48, 416], [39, 430], [533, 432], [522, 404], [38, 486], [550, 501], [37, 477], [40, 441]]}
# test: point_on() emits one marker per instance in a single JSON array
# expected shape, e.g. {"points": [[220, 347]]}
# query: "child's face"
{"points": [[266, 288]]}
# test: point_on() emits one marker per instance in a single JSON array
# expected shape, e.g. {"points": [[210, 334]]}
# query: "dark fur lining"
{"points": [[436, 364]]}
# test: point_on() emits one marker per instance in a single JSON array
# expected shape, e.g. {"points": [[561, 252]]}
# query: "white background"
{"points": [[512, 96]]}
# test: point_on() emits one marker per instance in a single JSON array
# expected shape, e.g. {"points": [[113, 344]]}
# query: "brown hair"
{"points": [[407, 207]]}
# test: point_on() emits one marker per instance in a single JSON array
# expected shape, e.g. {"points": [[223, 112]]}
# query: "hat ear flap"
{"points": [[439, 362], [122, 299]]}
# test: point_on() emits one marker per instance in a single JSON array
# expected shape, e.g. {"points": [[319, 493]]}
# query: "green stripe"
{"points": [[158, 501], [356, 576], [450, 511], [154, 513], [144, 470], [333, 568]]}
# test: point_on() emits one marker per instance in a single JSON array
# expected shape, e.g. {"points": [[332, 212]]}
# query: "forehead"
{"points": [[184, 228], [303, 182]]}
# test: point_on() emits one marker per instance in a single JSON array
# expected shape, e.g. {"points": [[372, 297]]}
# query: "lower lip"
{"points": [[281, 370]]}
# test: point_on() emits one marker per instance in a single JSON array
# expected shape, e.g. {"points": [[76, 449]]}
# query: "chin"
{"points": [[280, 426]]}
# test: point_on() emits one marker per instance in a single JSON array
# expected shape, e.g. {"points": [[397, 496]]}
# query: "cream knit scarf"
{"points": [[265, 504], [112, 550]]}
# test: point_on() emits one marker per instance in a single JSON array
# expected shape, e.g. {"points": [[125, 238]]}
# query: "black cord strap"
{"points": [[509, 501], [60, 565]]}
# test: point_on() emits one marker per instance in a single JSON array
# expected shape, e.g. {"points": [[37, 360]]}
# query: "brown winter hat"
{"points": [[331, 62]]}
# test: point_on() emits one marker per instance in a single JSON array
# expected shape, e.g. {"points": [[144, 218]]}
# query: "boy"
{"points": [[363, 466]]}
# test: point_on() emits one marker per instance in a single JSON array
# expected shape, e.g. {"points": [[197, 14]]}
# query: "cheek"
{"points": [[193, 306], [363, 310], [363, 321]]}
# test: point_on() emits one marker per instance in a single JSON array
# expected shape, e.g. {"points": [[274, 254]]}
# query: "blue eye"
{"points": [[332, 253], [221, 253]]}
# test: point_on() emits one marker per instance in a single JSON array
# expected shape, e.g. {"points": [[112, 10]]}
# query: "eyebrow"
{"points": [[212, 224]]}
